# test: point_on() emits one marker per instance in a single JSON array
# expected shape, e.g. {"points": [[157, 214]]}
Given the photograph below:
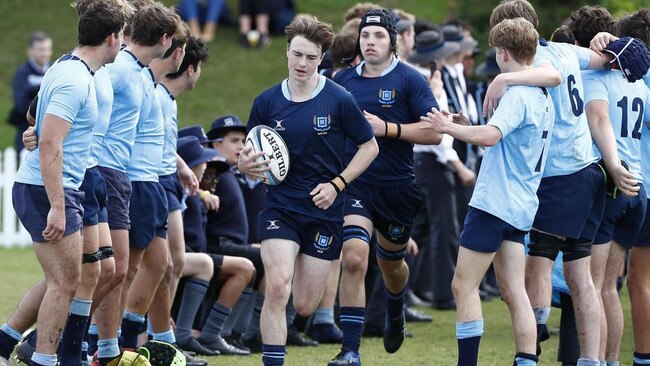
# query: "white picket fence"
{"points": [[12, 233]]}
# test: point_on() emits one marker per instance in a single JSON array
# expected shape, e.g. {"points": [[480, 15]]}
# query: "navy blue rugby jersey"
{"points": [[400, 95], [316, 132]]}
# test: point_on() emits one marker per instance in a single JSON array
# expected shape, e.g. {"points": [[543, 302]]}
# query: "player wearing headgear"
{"points": [[151, 31], [504, 201], [46, 193], [393, 97], [622, 105], [301, 227], [560, 223]]}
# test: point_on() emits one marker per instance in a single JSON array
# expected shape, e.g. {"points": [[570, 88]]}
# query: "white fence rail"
{"points": [[12, 233]]}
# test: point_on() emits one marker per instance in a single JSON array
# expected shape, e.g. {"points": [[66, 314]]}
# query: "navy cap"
{"points": [[196, 131], [189, 148], [489, 67], [224, 124]]}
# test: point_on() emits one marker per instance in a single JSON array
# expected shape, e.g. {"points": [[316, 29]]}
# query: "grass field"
{"points": [[433, 344], [230, 81]]}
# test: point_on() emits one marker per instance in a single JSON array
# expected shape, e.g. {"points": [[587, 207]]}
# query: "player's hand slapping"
{"points": [[248, 164], [323, 195], [437, 121]]}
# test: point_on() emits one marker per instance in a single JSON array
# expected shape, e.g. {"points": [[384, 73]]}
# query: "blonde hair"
{"points": [[518, 36]]}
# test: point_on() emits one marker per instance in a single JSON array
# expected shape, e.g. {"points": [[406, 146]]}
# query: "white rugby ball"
{"points": [[264, 138]]}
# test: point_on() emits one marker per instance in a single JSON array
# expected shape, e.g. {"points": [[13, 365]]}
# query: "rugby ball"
{"points": [[264, 138]]}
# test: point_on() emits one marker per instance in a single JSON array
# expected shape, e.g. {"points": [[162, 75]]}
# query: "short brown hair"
{"points": [[312, 29], [152, 22], [636, 25], [510, 9], [518, 36], [358, 10], [344, 47], [180, 37], [82, 5], [587, 21], [101, 19]]}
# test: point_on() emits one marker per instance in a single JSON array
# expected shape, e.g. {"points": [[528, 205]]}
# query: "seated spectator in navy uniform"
{"points": [[225, 278]]}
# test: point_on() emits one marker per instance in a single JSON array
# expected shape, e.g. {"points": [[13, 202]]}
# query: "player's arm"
{"points": [[544, 75], [411, 132], [54, 130], [603, 135], [325, 193], [486, 135], [31, 112]]}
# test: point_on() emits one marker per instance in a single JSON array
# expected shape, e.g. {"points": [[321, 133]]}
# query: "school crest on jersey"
{"points": [[322, 124], [396, 231], [322, 242], [387, 97]]}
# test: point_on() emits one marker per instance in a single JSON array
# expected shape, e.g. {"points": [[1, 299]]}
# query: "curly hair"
{"points": [[636, 25], [587, 21]]}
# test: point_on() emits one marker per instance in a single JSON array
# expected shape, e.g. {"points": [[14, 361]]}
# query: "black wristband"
{"points": [[343, 180], [336, 188], [385, 129], [399, 131]]}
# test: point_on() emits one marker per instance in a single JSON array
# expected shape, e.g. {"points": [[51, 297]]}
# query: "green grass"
{"points": [[432, 344], [230, 81]]}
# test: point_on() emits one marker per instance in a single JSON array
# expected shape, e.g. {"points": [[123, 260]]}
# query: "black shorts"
{"points": [[391, 209], [317, 238]]}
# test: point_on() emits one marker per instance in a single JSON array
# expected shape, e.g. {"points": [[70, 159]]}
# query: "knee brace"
{"points": [[91, 257], [544, 245], [355, 232], [389, 255], [107, 252], [574, 249]]}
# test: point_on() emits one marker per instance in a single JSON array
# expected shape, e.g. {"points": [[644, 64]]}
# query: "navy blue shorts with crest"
{"points": [[118, 188], [483, 232], [572, 206], [644, 236], [95, 199], [174, 191], [32, 207], [317, 238], [148, 214], [623, 219], [391, 209]]}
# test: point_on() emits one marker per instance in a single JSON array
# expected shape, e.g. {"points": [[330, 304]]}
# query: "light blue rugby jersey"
{"points": [[646, 79], [628, 108], [146, 157], [127, 100], [68, 92], [104, 91], [512, 169], [170, 117], [570, 149]]}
